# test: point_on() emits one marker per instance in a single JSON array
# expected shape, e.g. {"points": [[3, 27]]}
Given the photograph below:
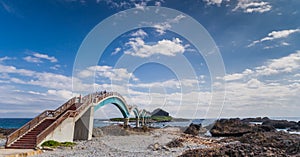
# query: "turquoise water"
{"points": [[10, 123]]}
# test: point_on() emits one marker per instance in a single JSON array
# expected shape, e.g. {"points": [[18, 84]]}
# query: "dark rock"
{"points": [[193, 129], [280, 124], [156, 146], [175, 143], [97, 132], [6, 132], [231, 127], [264, 128], [288, 143], [234, 150], [257, 119]]}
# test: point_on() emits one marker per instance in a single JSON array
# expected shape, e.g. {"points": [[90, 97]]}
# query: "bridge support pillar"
{"points": [[137, 122], [84, 125], [126, 122], [143, 121]]}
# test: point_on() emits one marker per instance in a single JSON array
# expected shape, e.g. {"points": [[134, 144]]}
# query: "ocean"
{"points": [[9, 123]]}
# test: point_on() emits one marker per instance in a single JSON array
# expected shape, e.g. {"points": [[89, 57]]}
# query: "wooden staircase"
{"points": [[34, 132], [28, 141], [27, 137]]}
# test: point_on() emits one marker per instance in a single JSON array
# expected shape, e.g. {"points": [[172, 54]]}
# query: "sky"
{"points": [[258, 42]]}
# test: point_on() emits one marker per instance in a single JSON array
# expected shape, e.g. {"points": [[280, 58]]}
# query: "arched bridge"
{"points": [[71, 121]]}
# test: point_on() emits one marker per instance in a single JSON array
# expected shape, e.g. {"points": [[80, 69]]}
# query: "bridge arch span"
{"points": [[119, 102]]}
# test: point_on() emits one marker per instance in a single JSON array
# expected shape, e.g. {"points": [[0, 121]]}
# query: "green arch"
{"points": [[115, 101], [136, 112]]}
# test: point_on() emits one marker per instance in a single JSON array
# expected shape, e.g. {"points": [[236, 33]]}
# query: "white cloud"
{"points": [[285, 64], [116, 51], [163, 47], [140, 5], [238, 76], [65, 94], [5, 58], [158, 3], [44, 56], [106, 72], [37, 58], [32, 59], [254, 84], [139, 33], [250, 6], [55, 67], [276, 35], [162, 27], [248, 92], [212, 2], [12, 69]]}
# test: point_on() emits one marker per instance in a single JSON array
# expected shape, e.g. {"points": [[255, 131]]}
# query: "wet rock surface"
{"points": [[278, 124], [257, 142], [254, 144], [281, 124], [230, 127], [236, 127], [193, 129], [5, 132], [97, 132], [175, 143]]}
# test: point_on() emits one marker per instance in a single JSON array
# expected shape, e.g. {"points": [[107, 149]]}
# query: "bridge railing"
{"points": [[86, 101], [35, 121], [41, 136]]}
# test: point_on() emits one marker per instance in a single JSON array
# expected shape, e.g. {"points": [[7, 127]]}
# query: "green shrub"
{"points": [[51, 143], [67, 144], [54, 144]]}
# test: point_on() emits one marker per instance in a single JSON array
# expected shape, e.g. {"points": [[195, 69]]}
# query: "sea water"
{"points": [[9, 123], [13, 123]]}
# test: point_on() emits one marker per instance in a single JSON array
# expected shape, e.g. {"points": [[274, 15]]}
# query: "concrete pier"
{"points": [[84, 125]]}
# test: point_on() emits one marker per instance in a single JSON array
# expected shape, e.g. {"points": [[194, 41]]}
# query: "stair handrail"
{"points": [[41, 136], [26, 127], [32, 123], [87, 100]]}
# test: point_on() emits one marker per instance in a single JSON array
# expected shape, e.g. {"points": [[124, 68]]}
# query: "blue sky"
{"points": [[258, 41]]}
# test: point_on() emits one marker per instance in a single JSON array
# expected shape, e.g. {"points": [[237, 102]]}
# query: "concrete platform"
{"points": [[19, 152]]}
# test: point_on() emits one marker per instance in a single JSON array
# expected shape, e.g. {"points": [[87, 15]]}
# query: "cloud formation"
{"points": [[163, 47], [162, 27], [276, 35], [38, 57], [252, 6], [213, 2]]}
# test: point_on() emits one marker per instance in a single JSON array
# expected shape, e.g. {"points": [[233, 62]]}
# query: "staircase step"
{"points": [[28, 141]]}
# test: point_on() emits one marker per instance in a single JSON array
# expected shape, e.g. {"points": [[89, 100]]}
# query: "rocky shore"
{"points": [[229, 137]]}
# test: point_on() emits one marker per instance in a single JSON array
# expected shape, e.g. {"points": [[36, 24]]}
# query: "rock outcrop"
{"points": [[236, 127], [254, 144], [280, 124], [193, 129]]}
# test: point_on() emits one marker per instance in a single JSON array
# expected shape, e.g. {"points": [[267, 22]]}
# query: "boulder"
{"points": [[97, 132], [288, 143], [175, 143], [257, 119], [193, 129], [254, 144], [231, 127], [264, 128], [280, 124], [154, 147]]}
